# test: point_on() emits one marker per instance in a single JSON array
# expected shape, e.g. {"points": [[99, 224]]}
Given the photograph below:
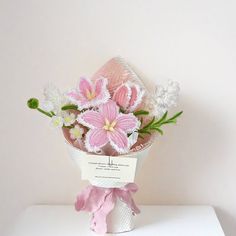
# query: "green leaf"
{"points": [[158, 130], [154, 125], [176, 115], [162, 118], [172, 120], [68, 127], [141, 112], [141, 121], [69, 107], [144, 131], [168, 122], [150, 123]]}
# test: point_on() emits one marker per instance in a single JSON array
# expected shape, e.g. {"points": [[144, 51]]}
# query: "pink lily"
{"points": [[87, 95], [128, 96], [107, 125]]}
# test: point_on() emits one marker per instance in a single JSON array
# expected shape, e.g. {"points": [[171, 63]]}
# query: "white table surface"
{"points": [[49, 220]]}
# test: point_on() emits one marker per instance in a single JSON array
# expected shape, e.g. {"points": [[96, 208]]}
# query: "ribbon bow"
{"points": [[101, 201]]}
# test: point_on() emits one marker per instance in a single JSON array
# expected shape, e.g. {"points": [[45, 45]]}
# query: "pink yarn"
{"points": [[107, 125], [101, 201], [88, 94], [128, 96]]}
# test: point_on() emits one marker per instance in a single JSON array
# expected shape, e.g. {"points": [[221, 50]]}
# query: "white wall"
{"points": [[190, 41]]}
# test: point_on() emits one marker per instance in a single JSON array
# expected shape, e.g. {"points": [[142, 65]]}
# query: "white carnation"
{"points": [[164, 98], [54, 99], [47, 106]]}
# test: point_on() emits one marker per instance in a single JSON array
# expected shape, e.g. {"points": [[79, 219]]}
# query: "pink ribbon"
{"points": [[101, 201]]}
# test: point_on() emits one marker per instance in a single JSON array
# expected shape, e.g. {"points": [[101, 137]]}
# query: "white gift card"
{"points": [[118, 169]]}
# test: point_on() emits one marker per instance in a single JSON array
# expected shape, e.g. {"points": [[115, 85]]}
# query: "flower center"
{"points": [[109, 126], [77, 133], [68, 119], [90, 94]]}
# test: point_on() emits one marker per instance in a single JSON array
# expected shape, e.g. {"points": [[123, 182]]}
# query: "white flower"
{"points": [[53, 102], [47, 106], [57, 121], [76, 132], [68, 118], [64, 118], [164, 98], [54, 99]]}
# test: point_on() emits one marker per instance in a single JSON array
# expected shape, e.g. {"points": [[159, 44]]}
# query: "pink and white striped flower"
{"points": [[128, 96], [107, 125], [87, 94]]}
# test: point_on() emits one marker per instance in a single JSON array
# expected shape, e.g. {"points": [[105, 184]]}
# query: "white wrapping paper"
{"points": [[121, 219], [77, 155]]}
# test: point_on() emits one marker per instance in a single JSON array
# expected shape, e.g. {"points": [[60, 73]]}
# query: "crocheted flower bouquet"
{"points": [[108, 121]]}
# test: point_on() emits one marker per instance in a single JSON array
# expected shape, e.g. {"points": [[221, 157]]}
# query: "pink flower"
{"points": [[88, 95], [128, 96], [107, 125]]}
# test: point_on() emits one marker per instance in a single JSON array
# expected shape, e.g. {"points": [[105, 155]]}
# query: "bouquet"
{"points": [[111, 118]]}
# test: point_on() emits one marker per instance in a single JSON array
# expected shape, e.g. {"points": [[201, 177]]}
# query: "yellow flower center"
{"points": [[77, 133], [90, 94], [109, 126], [56, 122], [68, 119]]}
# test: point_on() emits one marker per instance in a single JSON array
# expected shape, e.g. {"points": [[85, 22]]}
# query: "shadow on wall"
{"points": [[186, 164]]}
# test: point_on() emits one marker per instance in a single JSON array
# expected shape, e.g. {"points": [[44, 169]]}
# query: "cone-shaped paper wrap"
{"points": [[77, 155]]}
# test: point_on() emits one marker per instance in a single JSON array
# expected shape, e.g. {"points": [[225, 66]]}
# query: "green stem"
{"points": [[69, 107], [141, 112], [44, 112]]}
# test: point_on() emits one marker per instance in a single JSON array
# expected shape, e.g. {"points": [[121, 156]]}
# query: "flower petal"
{"points": [[95, 139], [119, 141], [100, 85], [53, 95], [136, 97], [57, 121], [76, 97], [76, 132], [84, 86], [127, 122], [91, 119], [109, 110], [101, 91], [47, 105], [133, 139], [122, 95], [68, 118]]}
